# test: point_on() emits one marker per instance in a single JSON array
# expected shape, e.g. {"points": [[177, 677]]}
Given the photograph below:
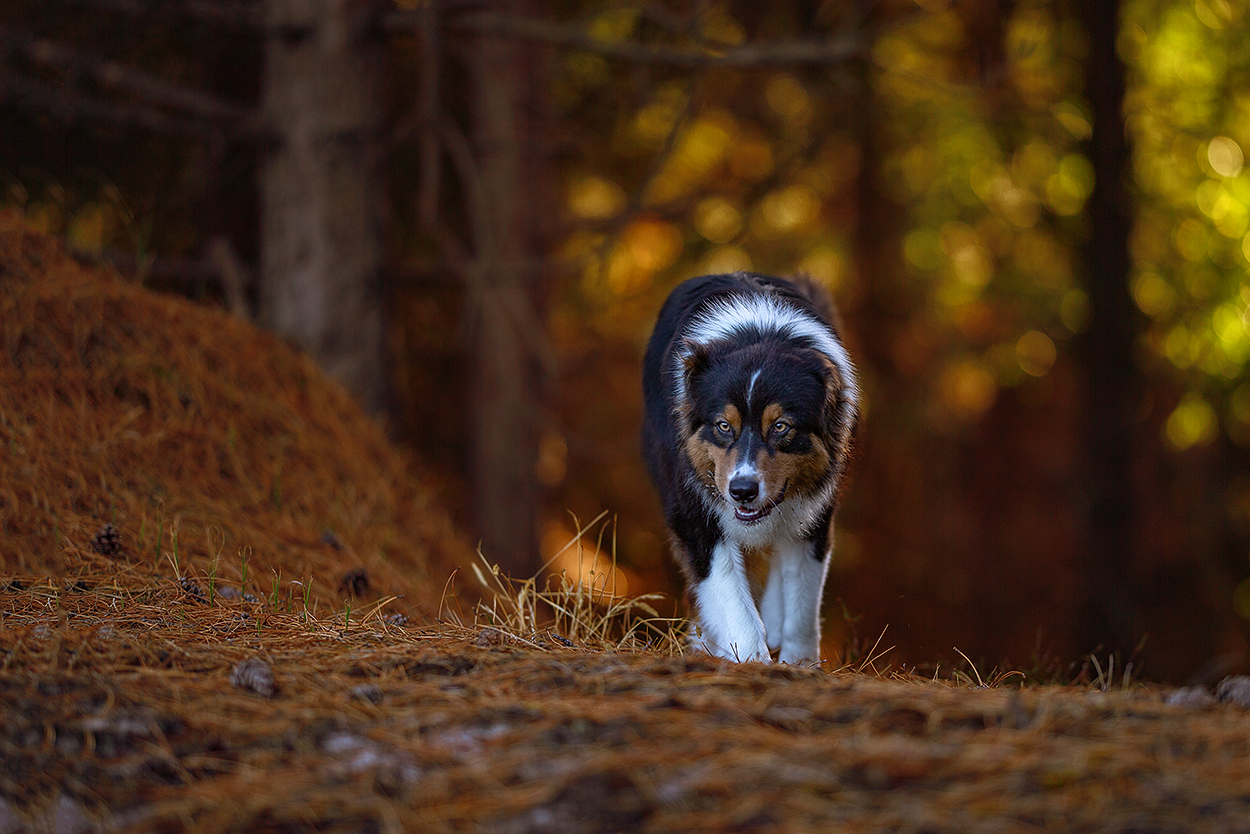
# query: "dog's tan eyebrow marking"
{"points": [[732, 416], [772, 414]]}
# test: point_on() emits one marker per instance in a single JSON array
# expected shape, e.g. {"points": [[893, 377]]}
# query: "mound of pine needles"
{"points": [[138, 428]]}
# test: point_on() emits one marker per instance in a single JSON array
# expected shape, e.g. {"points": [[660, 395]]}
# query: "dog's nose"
{"points": [[744, 488]]}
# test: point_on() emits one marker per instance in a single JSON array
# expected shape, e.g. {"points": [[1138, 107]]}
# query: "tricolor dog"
{"points": [[751, 403]]}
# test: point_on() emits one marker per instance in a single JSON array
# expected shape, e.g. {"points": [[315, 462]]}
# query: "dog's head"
{"points": [[767, 422]]}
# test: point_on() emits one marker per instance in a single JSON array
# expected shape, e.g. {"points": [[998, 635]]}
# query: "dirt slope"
{"points": [[212, 447]]}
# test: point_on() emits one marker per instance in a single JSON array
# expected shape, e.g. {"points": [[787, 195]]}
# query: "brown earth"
{"points": [[146, 686]]}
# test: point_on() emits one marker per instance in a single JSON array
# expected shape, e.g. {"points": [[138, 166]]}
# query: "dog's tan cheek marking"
{"points": [[699, 451], [804, 471], [711, 462]]}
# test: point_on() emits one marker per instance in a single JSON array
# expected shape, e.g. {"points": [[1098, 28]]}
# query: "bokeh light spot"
{"points": [[1225, 156], [1072, 119], [653, 244], [825, 264], [787, 98], [1035, 351], [922, 248], [1215, 14], [1153, 295], [968, 389], [595, 198], [788, 209], [717, 219], [1074, 310], [725, 259], [1191, 423], [615, 24], [646, 246], [719, 27]]}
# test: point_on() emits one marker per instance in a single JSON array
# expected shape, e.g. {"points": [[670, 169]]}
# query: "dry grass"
{"points": [[582, 609], [198, 681]]}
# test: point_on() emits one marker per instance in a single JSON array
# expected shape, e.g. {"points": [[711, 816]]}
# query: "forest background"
{"points": [[1035, 217]]}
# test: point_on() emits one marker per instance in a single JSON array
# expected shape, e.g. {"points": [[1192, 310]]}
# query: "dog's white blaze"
{"points": [[751, 384], [729, 624], [724, 317], [744, 469]]}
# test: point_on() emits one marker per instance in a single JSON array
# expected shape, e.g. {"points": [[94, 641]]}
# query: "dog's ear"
{"points": [[841, 411], [695, 360]]}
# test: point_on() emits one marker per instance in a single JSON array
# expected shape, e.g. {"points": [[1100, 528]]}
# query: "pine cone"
{"points": [[107, 542], [355, 582], [192, 589], [253, 674]]}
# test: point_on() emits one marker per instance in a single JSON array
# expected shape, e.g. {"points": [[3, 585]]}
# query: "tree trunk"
{"points": [[506, 296], [1112, 392], [322, 199]]}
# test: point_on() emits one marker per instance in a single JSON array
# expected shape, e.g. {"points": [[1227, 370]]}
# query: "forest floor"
{"points": [[148, 706]]}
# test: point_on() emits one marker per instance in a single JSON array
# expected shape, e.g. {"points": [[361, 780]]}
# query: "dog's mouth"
{"points": [[747, 516], [754, 515]]}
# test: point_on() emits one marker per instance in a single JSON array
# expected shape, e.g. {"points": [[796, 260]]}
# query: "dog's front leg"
{"points": [[729, 624], [802, 574], [773, 604]]}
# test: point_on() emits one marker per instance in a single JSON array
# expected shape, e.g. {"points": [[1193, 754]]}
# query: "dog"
{"points": [[751, 404]]}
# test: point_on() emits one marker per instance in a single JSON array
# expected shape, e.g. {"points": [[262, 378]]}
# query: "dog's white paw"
{"points": [[800, 653], [752, 649], [757, 653]]}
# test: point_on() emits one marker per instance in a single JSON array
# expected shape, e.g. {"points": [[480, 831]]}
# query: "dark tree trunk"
{"points": [[1113, 385], [506, 295], [322, 199]]}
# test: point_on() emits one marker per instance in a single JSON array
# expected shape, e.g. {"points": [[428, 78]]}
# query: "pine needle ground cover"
{"points": [[174, 487], [143, 708]]}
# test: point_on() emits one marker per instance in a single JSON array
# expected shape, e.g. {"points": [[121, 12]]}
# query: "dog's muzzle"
{"points": [[745, 489]]}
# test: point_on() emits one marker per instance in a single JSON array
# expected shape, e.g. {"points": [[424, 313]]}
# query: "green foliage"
{"points": [[1188, 115]]}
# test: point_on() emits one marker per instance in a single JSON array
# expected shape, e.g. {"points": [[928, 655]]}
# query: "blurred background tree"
{"points": [[1054, 457]]}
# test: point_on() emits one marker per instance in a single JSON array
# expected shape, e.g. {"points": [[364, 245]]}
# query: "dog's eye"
{"points": [[723, 427], [780, 429]]}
